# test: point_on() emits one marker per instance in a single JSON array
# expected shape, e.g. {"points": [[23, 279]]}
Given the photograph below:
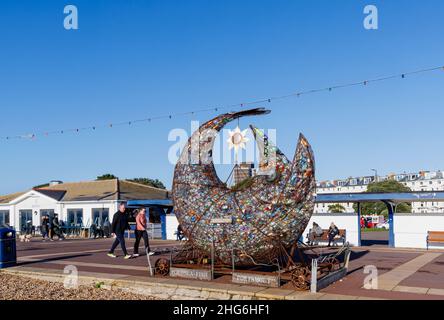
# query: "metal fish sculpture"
{"points": [[271, 209]]}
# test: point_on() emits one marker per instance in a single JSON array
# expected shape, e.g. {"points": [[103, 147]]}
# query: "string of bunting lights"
{"points": [[33, 136]]}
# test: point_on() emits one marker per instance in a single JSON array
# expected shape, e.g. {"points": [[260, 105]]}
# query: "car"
{"points": [[384, 225]]}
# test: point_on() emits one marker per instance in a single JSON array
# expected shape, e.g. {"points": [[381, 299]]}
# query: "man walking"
{"points": [[118, 227]]}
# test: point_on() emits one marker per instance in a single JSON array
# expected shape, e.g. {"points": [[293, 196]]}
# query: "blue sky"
{"points": [[136, 59]]}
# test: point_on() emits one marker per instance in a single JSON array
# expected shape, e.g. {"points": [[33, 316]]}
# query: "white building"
{"points": [[423, 181], [79, 203]]}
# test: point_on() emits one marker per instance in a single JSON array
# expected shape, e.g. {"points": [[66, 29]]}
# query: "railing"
{"points": [[154, 231]]}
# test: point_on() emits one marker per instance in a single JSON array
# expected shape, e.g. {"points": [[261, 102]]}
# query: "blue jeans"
{"points": [[120, 239]]}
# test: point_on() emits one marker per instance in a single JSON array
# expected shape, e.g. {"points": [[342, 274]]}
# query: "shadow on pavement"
{"points": [[369, 243], [52, 259]]}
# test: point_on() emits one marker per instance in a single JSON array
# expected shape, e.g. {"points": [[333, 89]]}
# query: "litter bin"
{"points": [[8, 253]]}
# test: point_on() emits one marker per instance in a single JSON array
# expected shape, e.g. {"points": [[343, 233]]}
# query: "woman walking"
{"points": [[141, 224]]}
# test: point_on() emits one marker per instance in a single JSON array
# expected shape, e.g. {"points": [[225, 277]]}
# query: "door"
{"points": [[25, 217]]}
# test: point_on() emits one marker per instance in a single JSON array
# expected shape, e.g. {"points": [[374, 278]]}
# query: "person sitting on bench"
{"points": [[333, 231], [315, 231]]}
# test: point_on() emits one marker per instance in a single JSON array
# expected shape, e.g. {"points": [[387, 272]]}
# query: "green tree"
{"points": [[107, 176], [380, 208], [156, 183], [336, 208]]}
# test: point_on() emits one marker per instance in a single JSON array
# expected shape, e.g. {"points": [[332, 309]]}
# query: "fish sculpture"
{"points": [[268, 210]]}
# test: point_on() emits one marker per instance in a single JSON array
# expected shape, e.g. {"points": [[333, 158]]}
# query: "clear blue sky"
{"points": [[133, 59]]}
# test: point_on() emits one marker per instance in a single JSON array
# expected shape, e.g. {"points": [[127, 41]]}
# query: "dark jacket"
{"points": [[120, 223], [333, 232]]}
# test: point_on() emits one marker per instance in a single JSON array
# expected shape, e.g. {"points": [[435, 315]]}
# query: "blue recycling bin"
{"points": [[8, 252]]}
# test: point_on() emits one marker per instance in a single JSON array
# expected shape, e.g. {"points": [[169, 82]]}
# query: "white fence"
{"points": [[171, 226], [411, 229]]}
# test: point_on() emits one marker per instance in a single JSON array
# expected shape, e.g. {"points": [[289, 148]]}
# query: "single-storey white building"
{"points": [[77, 204]]}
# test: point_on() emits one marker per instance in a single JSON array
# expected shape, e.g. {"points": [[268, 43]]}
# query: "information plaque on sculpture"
{"points": [[188, 273], [256, 279]]}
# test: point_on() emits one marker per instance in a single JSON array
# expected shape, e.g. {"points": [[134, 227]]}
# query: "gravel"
{"points": [[13, 287]]}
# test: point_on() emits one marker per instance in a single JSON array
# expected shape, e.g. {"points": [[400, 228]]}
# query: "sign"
{"points": [[188, 273], [256, 279]]}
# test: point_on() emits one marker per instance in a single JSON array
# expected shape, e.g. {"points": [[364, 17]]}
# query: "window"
{"points": [[75, 217], [46, 213], [100, 216], [4, 218]]}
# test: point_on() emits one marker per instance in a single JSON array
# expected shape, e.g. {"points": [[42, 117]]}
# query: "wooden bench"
{"points": [[435, 237], [341, 237]]}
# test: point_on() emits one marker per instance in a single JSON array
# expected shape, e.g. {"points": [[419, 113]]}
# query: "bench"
{"points": [[341, 237], [435, 237]]}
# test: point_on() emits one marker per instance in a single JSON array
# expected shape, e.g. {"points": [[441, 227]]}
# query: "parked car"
{"points": [[384, 225]]}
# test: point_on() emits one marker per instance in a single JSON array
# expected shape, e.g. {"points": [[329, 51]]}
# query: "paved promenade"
{"points": [[402, 274]]}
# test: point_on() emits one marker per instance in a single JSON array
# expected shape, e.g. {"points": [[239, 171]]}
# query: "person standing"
{"points": [[118, 227], [45, 228], [141, 224], [56, 229]]}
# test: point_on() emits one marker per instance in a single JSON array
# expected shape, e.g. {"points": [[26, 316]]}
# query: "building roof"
{"points": [[114, 189], [9, 197]]}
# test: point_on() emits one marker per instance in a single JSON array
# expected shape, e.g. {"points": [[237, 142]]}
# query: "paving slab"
{"points": [[391, 279], [438, 292], [331, 296], [244, 289], [411, 289], [301, 295], [273, 293]]}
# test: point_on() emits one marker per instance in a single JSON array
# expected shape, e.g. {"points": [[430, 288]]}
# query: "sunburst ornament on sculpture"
{"points": [[237, 140]]}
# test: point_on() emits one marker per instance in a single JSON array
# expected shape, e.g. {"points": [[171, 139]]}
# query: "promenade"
{"points": [[402, 273]]}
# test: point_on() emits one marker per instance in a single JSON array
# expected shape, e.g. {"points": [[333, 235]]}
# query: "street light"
{"points": [[376, 174]]}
